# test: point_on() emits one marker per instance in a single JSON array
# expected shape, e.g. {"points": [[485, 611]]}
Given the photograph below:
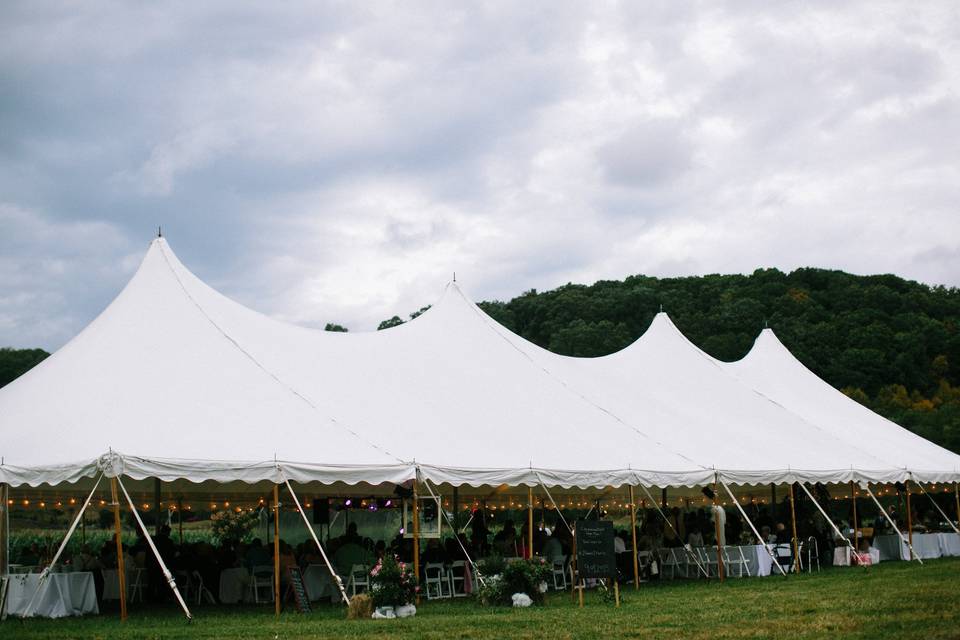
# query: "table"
{"points": [[927, 545], [234, 585], [62, 594], [319, 584], [841, 556], [758, 559], [949, 544]]}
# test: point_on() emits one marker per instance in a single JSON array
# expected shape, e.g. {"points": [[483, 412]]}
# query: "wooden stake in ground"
{"points": [[529, 522], [416, 538], [793, 523], [121, 570], [633, 537], [616, 592], [909, 520], [276, 549]]}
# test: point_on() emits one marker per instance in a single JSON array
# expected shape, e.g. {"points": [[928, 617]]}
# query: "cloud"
{"points": [[340, 163]]}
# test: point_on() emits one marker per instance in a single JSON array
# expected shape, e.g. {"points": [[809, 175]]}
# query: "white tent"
{"points": [[177, 382], [772, 370]]}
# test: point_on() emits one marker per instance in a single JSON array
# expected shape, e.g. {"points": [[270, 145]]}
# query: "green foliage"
{"points": [[16, 362], [520, 576], [335, 327], [392, 583], [395, 321]]}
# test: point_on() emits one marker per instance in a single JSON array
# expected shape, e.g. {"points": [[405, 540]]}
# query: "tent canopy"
{"points": [[175, 381]]}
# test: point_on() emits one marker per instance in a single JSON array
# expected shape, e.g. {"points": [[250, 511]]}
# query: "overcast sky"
{"points": [[339, 162]]}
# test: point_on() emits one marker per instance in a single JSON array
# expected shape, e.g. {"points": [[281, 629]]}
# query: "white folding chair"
{"points": [[438, 586], [261, 577], [359, 578], [672, 561], [708, 557], [196, 582], [457, 576], [135, 584], [733, 558], [558, 565]]}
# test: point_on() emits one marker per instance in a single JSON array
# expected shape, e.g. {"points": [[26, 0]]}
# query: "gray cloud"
{"points": [[338, 163]]}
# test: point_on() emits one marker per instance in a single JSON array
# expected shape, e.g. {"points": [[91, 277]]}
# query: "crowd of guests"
{"points": [[482, 537]]}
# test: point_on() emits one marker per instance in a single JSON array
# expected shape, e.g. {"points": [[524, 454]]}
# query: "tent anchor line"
{"points": [[63, 545], [313, 534], [687, 551], [473, 564], [903, 538], [763, 542], [163, 567]]}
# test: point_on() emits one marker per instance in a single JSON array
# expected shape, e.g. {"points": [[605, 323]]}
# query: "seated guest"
{"points": [[782, 537], [505, 542], [256, 555], [434, 553], [552, 548], [695, 538]]}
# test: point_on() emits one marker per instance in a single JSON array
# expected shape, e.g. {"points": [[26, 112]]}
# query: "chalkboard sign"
{"points": [[298, 590], [595, 556]]}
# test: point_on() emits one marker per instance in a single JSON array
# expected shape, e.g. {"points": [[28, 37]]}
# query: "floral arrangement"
{"points": [[232, 525], [522, 576], [392, 583]]}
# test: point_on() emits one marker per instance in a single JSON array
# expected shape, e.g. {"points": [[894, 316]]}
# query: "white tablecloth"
{"points": [[927, 545], [319, 584], [949, 544], [841, 556], [62, 594], [234, 585], [758, 560]]}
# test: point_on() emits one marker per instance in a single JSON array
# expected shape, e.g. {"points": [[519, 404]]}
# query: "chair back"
{"points": [[261, 571]]}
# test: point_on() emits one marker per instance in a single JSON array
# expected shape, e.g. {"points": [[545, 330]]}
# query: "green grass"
{"points": [[893, 600]]}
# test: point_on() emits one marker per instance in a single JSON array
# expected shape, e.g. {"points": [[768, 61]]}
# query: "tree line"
{"points": [[891, 344]]}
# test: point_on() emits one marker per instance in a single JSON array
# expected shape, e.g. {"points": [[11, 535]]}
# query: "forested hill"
{"points": [[891, 343]]}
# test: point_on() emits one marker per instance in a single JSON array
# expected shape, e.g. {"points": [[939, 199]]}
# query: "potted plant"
{"points": [[393, 588]]}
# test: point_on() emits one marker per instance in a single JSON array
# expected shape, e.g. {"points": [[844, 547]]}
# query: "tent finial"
{"points": [[766, 324], [661, 307], [159, 232], [454, 276]]}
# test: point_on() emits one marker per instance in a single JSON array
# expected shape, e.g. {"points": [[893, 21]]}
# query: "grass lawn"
{"points": [[892, 600]]}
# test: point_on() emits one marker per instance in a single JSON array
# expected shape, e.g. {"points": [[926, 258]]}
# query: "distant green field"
{"points": [[894, 600]]}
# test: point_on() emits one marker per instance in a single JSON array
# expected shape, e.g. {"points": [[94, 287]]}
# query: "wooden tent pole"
{"points": [[156, 506], [456, 512], [956, 497], [909, 520], [180, 518], [416, 536], [633, 537], [121, 569], [4, 530], [716, 527], [529, 522], [856, 527], [793, 523], [276, 549]]}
